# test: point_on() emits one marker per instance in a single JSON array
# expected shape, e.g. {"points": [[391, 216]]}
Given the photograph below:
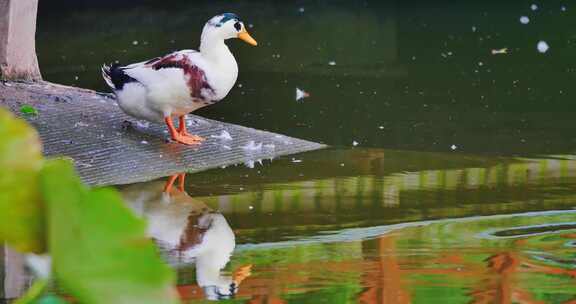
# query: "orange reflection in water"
{"points": [[387, 276]]}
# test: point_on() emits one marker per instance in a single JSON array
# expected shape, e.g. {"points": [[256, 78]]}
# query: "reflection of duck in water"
{"points": [[189, 230]]}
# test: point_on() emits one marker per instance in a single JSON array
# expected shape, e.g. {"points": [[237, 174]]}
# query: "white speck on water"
{"points": [[500, 51], [301, 94], [250, 25], [534, 7], [480, 63], [341, 164], [76, 77], [543, 46], [474, 29], [135, 42], [144, 142], [252, 146], [453, 147], [413, 58], [524, 20], [239, 85], [563, 8], [355, 143], [301, 9], [296, 160], [381, 127], [224, 135], [332, 62]]}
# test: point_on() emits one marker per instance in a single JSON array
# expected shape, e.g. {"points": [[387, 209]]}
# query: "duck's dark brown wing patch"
{"points": [[153, 60], [194, 232], [195, 77]]}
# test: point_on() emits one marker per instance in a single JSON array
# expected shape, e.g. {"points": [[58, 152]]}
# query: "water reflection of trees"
{"points": [[377, 194]]}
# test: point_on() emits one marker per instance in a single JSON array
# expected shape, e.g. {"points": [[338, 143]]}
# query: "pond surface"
{"points": [[485, 215], [371, 226], [410, 75]]}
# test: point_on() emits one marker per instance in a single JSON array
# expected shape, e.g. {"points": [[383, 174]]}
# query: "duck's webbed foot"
{"points": [[188, 139], [181, 135], [182, 129]]}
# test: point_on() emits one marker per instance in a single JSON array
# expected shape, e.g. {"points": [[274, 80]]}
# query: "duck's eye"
{"points": [[238, 26]]}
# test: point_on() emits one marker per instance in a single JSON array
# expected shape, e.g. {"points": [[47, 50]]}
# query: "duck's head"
{"points": [[227, 26]]}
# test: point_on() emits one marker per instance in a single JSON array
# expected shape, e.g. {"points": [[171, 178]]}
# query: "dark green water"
{"points": [[408, 74], [461, 189]]}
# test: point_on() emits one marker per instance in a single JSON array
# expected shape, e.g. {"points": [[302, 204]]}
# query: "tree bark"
{"points": [[17, 40]]}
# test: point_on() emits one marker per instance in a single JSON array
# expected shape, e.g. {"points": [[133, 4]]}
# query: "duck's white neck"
{"points": [[223, 69], [213, 47]]}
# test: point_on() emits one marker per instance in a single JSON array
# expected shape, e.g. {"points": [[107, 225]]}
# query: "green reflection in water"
{"points": [[398, 227]]}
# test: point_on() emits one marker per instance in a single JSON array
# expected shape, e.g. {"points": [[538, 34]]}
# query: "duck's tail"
{"points": [[106, 74], [115, 76]]}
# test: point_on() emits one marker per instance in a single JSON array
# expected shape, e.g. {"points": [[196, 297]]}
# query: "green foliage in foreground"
{"points": [[99, 249], [21, 220], [111, 260]]}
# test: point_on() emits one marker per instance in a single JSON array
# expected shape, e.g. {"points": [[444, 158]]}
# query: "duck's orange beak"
{"points": [[247, 38]]}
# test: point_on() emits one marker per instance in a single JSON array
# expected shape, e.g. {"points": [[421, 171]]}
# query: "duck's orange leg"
{"points": [[182, 129], [170, 182], [177, 135], [181, 179]]}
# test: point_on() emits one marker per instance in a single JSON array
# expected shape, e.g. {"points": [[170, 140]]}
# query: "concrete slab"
{"points": [[109, 147]]}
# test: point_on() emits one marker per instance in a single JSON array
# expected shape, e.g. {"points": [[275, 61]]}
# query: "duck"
{"points": [[171, 86], [188, 231]]}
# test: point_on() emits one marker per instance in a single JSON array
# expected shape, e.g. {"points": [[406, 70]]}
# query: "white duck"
{"points": [[180, 82], [189, 230]]}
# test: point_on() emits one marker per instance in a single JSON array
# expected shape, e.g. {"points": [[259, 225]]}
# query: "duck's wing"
{"points": [[182, 66]]}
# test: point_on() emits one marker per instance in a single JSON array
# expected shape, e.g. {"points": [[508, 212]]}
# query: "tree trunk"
{"points": [[17, 40]]}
